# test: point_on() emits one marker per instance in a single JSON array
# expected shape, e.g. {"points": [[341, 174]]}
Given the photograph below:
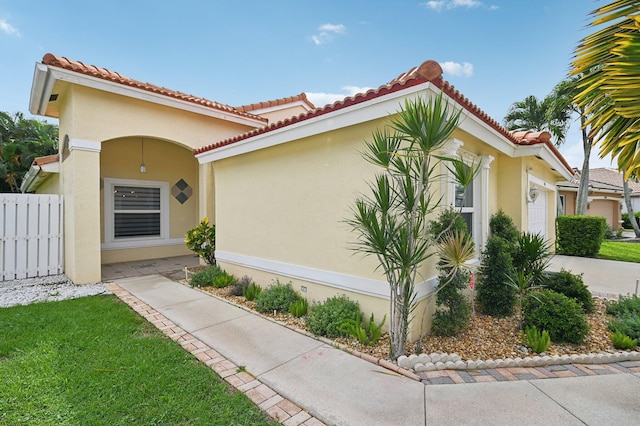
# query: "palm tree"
{"points": [[533, 114], [627, 202], [608, 63], [21, 141], [563, 96]]}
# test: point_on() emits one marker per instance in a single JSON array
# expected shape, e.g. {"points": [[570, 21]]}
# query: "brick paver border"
{"points": [[267, 399]]}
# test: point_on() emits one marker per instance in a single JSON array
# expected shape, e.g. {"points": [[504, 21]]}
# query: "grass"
{"points": [[95, 361], [619, 250]]}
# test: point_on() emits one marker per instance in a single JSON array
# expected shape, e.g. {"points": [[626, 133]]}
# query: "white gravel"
{"points": [[45, 289]]}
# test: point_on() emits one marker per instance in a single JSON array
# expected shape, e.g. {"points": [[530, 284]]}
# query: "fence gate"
{"points": [[31, 239]]}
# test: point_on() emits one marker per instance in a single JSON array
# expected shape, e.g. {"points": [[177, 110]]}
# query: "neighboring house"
{"points": [[606, 195], [278, 191]]}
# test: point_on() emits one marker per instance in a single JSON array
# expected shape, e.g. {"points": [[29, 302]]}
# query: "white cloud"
{"points": [[438, 5], [8, 28], [459, 70], [327, 31], [320, 99]]}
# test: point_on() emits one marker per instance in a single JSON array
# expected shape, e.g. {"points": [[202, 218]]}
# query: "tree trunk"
{"points": [[583, 188], [627, 202]]}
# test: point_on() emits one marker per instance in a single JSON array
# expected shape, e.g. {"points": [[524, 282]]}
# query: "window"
{"points": [[136, 213], [562, 210], [464, 202]]}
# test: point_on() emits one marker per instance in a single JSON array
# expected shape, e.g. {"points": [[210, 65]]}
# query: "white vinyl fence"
{"points": [[31, 239]]}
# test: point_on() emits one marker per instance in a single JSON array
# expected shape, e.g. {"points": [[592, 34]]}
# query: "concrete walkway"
{"points": [[300, 380]]}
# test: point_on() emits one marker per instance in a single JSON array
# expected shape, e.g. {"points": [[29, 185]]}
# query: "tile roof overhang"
{"points": [[300, 99], [40, 169], [57, 68], [383, 101]]}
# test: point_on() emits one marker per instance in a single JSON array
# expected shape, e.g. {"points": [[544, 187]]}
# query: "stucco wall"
{"points": [[165, 162]]}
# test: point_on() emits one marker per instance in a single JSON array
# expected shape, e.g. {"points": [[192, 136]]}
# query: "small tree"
{"points": [[391, 223], [495, 296], [202, 241]]}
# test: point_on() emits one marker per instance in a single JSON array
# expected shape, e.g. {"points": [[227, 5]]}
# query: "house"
{"points": [[278, 177], [606, 195]]}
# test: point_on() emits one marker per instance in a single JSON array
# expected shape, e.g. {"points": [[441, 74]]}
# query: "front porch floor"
{"points": [[172, 267]]}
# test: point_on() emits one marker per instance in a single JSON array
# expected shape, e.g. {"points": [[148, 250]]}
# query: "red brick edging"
{"points": [[276, 406]]}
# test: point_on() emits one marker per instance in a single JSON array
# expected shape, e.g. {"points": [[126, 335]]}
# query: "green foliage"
{"points": [[531, 255], [626, 222], [624, 304], [580, 235], [449, 221], [390, 223], [622, 341], [537, 341], [367, 333], [239, 286], [501, 225], [627, 316], [299, 308], [202, 241], [561, 316], [21, 141], [325, 319], [494, 294], [63, 363], [572, 286], [223, 279], [453, 311], [205, 277], [252, 292], [278, 297]]}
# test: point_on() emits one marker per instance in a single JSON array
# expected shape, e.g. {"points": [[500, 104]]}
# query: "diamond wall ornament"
{"points": [[181, 191]]}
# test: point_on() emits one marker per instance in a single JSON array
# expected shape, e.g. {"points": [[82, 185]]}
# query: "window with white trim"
{"points": [[562, 209], [464, 202], [136, 212]]}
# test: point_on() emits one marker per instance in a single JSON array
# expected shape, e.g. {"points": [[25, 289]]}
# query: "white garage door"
{"points": [[538, 215]]}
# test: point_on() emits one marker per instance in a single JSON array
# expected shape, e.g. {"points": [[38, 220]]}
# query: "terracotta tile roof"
{"points": [[531, 138], [277, 102], [47, 159], [611, 177], [105, 74], [428, 71]]}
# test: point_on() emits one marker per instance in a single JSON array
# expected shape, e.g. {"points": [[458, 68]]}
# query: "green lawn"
{"points": [[618, 250], [93, 361]]}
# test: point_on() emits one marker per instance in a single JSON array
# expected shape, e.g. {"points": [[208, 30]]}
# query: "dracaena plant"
{"points": [[390, 223]]}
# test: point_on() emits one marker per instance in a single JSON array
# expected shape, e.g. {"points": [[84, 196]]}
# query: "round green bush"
{"points": [[561, 316], [326, 318], [572, 286], [278, 297]]}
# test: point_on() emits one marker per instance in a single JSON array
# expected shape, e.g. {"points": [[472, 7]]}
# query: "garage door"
{"points": [[538, 215]]}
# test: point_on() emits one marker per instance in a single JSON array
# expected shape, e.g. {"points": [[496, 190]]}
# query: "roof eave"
{"points": [[45, 77], [547, 155]]}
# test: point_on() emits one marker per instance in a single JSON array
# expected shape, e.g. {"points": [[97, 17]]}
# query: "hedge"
{"points": [[580, 235]]}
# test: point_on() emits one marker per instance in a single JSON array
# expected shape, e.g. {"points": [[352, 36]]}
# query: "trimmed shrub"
{"points": [[559, 315], [278, 297], [453, 310], [493, 293], [580, 235], [626, 222], [571, 285], [326, 319], [205, 277], [624, 304], [502, 226], [223, 279]]}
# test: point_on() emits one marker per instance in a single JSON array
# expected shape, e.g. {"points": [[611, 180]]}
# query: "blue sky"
{"points": [[240, 52]]}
